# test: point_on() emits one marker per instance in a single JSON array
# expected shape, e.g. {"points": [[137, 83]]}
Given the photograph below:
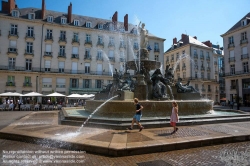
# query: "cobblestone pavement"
{"points": [[235, 154]]}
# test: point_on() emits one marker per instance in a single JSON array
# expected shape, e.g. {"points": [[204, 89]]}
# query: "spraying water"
{"points": [[86, 121]]}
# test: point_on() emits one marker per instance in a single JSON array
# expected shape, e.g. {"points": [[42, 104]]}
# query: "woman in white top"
{"points": [[174, 118]]}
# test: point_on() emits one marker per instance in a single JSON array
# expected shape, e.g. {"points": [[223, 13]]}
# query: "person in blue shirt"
{"points": [[137, 116]]}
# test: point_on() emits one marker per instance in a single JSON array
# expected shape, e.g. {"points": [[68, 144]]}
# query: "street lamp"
{"points": [[237, 95]]}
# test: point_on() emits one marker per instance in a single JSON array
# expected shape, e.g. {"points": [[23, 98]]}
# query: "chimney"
{"points": [[70, 13], [174, 40], [8, 6], [43, 10], [195, 37], [207, 43], [12, 5], [114, 18], [183, 36], [126, 22]]}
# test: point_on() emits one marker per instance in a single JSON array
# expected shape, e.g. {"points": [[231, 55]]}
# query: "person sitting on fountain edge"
{"points": [[137, 116]]}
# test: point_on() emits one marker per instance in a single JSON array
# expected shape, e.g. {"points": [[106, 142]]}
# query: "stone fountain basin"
{"points": [[148, 64], [126, 108]]}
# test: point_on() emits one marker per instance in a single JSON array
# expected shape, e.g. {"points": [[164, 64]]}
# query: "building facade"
{"points": [[197, 62], [47, 51], [237, 74]]}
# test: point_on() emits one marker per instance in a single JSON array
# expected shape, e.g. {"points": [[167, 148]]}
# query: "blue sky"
{"points": [[206, 19]]}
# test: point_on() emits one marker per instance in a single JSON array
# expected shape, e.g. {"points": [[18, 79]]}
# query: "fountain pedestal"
{"points": [[124, 95], [141, 90]]}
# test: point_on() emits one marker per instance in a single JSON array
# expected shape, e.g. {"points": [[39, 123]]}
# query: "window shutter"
{"points": [[231, 54], [13, 44], [75, 50], [47, 80], [74, 67], [47, 64], [244, 50], [61, 65], [48, 48]]}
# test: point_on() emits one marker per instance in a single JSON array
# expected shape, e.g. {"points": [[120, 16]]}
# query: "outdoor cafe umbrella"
{"points": [[11, 94], [75, 96], [33, 94], [55, 94]]}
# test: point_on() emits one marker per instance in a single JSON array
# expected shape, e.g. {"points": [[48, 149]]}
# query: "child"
{"points": [[137, 116], [174, 118]]}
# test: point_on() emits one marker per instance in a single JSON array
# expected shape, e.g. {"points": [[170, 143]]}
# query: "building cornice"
{"points": [[233, 31], [189, 44]]}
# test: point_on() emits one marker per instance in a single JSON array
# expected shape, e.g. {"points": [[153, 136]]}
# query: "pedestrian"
{"points": [[174, 118], [137, 116]]}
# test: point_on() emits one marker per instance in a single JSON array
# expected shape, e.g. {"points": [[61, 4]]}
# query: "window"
{"points": [[99, 69], [99, 55], [184, 75], [172, 57], [208, 76], [86, 83], [100, 26], [27, 80], [28, 65], [50, 18], [31, 16], [88, 38], [231, 40], [87, 67], [196, 75], [208, 55], [88, 24], [196, 87], [243, 22], [177, 56], [30, 32], [244, 36], [13, 45], [74, 83], [47, 65], [156, 46], [195, 52], [15, 13], [61, 66], [122, 43], [49, 34], [11, 79], [136, 45], [122, 54], [183, 53], [135, 31], [76, 22], [74, 68], [63, 35], [245, 67], [12, 63], [98, 83], [111, 40], [99, 39], [62, 51], [29, 47], [157, 57], [75, 37], [208, 87], [75, 52], [232, 69], [202, 75], [233, 84], [87, 53], [111, 53], [13, 30], [47, 82], [201, 53], [244, 50], [48, 49], [60, 82], [63, 20]]}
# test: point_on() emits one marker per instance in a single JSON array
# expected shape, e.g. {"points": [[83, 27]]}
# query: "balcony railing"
{"points": [[111, 44], [62, 39], [232, 59], [27, 84], [242, 72], [196, 56], [177, 69], [100, 43], [88, 42], [13, 33], [243, 41], [233, 87], [208, 58], [202, 68], [167, 61], [156, 50], [48, 54], [87, 57], [122, 59], [12, 50], [209, 90], [122, 45], [183, 68], [208, 68], [215, 63], [216, 91], [244, 56], [230, 45], [62, 54], [99, 58], [10, 84], [203, 90], [30, 36], [136, 47], [172, 60], [75, 40], [48, 38], [76, 56], [112, 59], [202, 57], [29, 52]]}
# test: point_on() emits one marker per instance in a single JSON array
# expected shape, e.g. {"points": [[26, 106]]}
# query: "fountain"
{"points": [[154, 92]]}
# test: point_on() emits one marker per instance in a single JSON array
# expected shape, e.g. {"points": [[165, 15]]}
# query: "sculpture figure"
{"points": [[169, 74], [184, 88], [144, 36], [159, 88]]}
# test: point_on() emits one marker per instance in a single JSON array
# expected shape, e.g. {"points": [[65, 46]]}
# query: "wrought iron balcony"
{"points": [[29, 52], [136, 47], [202, 57], [122, 45], [243, 41], [76, 56], [215, 63], [233, 87], [208, 58], [208, 68], [183, 68], [112, 59], [87, 57], [232, 59], [244, 56], [177, 69], [50, 54], [13, 34], [62, 39], [30, 36], [75, 40], [241, 72], [203, 90], [12, 50], [230, 45], [111, 44], [100, 43], [156, 50], [202, 68], [209, 90], [48, 38], [62, 54], [99, 58], [122, 59], [10, 84], [88, 42], [27, 84], [196, 56]]}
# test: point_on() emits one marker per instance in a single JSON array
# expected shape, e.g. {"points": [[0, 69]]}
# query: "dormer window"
{"points": [[243, 22], [31, 16], [134, 31], [15, 13], [100, 26], [88, 25], [76, 22], [63, 20], [50, 18]]}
